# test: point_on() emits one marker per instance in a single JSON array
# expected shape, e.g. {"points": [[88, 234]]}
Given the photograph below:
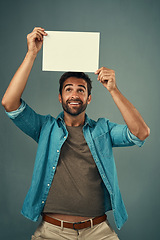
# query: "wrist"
{"points": [[114, 91], [31, 55]]}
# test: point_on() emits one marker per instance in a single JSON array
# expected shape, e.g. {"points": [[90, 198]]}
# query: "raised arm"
{"points": [[12, 96], [130, 114]]}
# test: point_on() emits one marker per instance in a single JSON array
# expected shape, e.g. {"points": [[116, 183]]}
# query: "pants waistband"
{"points": [[77, 225]]}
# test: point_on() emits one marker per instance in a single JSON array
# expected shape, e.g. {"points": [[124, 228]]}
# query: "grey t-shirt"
{"points": [[77, 186]]}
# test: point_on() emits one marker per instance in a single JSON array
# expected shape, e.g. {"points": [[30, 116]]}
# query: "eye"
{"points": [[81, 90], [68, 89]]}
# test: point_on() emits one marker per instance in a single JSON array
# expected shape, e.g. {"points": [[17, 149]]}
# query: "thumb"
{"points": [[97, 71]]}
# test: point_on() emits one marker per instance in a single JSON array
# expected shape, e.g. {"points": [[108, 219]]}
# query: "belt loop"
{"points": [[61, 225], [91, 220]]}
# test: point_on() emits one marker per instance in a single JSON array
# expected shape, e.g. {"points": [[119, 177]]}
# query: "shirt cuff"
{"points": [[15, 113], [134, 139]]}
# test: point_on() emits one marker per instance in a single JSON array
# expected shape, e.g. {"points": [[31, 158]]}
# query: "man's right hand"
{"points": [[35, 40]]}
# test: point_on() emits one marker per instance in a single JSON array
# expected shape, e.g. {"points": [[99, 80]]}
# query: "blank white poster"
{"points": [[71, 51]]}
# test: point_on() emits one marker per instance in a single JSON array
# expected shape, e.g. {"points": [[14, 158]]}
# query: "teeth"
{"points": [[74, 103]]}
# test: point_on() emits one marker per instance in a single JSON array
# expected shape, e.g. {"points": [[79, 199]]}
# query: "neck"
{"points": [[74, 121]]}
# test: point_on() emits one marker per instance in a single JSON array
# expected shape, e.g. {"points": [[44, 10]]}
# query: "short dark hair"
{"points": [[82, 75]]}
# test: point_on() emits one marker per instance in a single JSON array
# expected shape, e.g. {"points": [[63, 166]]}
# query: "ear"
{"points": [[89, 99], [60, 98]]}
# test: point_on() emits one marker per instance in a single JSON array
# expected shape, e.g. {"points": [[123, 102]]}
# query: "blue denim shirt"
{"points": [[50, 133]]}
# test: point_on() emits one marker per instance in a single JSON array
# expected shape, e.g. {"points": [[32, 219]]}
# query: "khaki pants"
{"points": [[100, 231]]}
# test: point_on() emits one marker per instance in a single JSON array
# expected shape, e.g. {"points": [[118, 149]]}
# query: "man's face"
{"points": [[74, 97]]}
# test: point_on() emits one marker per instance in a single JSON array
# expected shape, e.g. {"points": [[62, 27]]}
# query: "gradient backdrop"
{"points": [[130, 39]]}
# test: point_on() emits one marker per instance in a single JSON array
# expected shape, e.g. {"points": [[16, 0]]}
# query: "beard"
{"points": [[74, 110]]}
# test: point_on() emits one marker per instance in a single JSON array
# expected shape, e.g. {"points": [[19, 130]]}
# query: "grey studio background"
{"points": [[130, 39]]}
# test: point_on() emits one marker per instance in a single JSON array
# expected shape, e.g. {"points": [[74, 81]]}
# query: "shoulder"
{"points": [[101, 124]]}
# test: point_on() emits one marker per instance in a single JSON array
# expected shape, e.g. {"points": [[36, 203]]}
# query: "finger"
{"points": [[107, 81], [108, 72], [104, 69], [38, 28], [108, 78], [105, 78], [103, 73], [97, 71], [100, 69], [36, 35], [42, 32], [39, 31]]}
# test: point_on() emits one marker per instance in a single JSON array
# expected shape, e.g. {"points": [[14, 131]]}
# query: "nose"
{"points": [[74, 95]]}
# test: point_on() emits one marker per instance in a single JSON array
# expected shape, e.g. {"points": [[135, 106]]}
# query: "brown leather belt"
{"points": [[76, 225]]}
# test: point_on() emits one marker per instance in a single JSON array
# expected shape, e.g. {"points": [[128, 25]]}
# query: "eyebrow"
{"points": [[69, 84]]}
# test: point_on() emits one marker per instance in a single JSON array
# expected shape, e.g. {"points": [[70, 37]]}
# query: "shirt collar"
{"points": [[87, 119]]}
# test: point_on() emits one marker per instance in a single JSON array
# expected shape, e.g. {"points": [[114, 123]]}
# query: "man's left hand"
{"points": [[107, 77]]}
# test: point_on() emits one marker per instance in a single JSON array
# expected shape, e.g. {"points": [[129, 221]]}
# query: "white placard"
{"points": [[71, 51]]}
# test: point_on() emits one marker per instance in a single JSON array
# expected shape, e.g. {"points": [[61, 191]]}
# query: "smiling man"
{"points": [[75, 95], [74, 181]]}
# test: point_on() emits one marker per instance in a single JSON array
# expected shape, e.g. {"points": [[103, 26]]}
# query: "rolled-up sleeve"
{"points": [[121, 136], [134, 139], [14, 114], [28, 120]]}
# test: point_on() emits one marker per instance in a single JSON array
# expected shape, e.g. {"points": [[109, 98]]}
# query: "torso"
{"points": [[76, 176]]}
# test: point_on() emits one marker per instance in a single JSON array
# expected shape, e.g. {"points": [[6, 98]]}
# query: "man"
{"points": [[74, 182]]}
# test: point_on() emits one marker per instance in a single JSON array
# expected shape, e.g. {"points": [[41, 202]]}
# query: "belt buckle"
{"points": [[76, 223]]}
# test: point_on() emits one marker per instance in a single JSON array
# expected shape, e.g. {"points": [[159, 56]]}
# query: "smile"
{"points": [[74, 103]]}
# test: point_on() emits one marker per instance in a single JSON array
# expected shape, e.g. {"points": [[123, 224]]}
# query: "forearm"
{"points": [[131, 116], [11, 98]]}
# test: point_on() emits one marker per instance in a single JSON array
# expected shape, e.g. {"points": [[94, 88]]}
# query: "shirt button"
{"points": [[53, 168], [57, 151], [48, 184], [64, 136], [42, 201]]}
